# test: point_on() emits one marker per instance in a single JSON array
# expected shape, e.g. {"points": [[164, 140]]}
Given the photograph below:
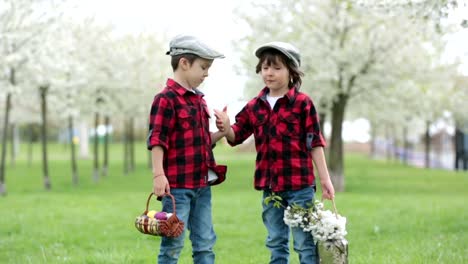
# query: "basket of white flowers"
{"points": [[327, 228]]}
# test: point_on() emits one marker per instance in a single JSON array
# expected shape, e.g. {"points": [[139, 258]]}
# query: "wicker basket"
{"points": [[333, 252], [172, 227]]}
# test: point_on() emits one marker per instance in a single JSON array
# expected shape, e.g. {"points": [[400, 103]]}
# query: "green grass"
{"points": [[396, 214]]}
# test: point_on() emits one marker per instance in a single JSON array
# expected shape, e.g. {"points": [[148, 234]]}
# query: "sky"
{"points": [[170, 18], [213, 22]]}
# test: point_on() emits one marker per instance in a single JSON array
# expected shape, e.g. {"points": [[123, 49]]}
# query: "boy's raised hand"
{"points": [[222, 119]]}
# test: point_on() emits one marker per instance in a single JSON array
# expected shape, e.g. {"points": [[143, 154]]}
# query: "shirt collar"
{"points": [[179, 89], [291, 94]]}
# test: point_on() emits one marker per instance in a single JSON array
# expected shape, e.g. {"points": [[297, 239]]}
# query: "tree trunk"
{"points": [[336, 163], [4, 144], [45, 165], [31, 142], [126, 157], [396, 144], [322, 117], [427, 146], [96, 148], [132, 144], [322, 112], [405, 145], [105, 164], [13, 145], [388, 140], [74, 167], [458, 146]]}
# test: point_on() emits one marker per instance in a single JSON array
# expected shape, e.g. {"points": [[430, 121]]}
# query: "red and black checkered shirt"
{"points": [[179, 123], [284, 137]]}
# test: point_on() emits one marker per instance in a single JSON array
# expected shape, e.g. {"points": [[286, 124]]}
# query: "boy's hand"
{"points": [[328, 192], [222, 120], [160, 185]]}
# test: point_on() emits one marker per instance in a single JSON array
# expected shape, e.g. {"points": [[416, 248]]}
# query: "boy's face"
{"points": [[275, 75], [196, 73]]}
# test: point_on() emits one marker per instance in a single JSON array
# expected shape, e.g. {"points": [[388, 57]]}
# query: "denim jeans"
{"points": [[278, 232], [193, 207]]}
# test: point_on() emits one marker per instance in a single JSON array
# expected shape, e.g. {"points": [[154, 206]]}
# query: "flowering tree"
{"points": [[423, 79], [345, 52], [67, 75], [434, 10], [21, 22], [120, 71], [459, 98], [76, 69], [140, 75], [45, 77], [460, 111], [94, 49], [436, 97]]}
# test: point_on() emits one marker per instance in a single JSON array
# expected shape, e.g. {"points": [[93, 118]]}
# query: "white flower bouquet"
{"points": [[327, 228]]}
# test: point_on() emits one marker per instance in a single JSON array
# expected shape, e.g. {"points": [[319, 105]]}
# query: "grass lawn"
{"points": [[396, 214]]}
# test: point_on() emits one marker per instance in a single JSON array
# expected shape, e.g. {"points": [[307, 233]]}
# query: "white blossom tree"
{"points": [[44, 77], [21, 23], [94, 50], [460, 112], [141, 74], [433, 10], [459, 99], [69, 76], [346, 52]]}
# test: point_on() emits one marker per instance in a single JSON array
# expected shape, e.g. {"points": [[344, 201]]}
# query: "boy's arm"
{"points": [[160, 182], [318, 157], [223, 123], [215, 136]]}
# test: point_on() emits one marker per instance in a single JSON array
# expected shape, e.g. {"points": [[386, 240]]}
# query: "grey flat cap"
{"points": [[287, 49], [182, 44]]}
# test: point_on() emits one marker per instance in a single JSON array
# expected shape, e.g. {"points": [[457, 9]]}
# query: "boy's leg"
{"points": [[201, 229], [303, 242], [171, 247], [278, 232]]}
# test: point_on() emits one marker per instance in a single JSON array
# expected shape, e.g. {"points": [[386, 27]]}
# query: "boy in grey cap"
{"points": [[181, 145]]}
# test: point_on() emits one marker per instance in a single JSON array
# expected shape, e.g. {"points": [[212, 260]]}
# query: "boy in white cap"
{"points": [[288, 139], [181, 145]]}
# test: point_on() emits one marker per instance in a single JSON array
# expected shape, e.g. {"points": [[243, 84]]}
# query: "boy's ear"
{"points": [[184, 64]]}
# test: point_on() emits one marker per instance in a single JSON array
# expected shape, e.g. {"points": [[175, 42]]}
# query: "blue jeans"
{"points": [[193, 207], [278, 232]]}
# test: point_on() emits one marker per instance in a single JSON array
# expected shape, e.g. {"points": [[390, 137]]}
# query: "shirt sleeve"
{"points": [[242, 128], [160, 122], [314, 136]]}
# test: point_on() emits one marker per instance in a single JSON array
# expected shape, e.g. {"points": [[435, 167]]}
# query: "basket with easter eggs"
{"points": [[155, 223]]}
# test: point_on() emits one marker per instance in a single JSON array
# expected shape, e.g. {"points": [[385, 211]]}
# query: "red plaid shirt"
{"points": [[179, 124], [284, 138]]}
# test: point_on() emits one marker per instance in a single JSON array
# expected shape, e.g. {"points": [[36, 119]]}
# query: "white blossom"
{"points": [[324, 225]]}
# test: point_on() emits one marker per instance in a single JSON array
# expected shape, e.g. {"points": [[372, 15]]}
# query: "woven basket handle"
{"points": [[166, 194], [334, 207]]}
